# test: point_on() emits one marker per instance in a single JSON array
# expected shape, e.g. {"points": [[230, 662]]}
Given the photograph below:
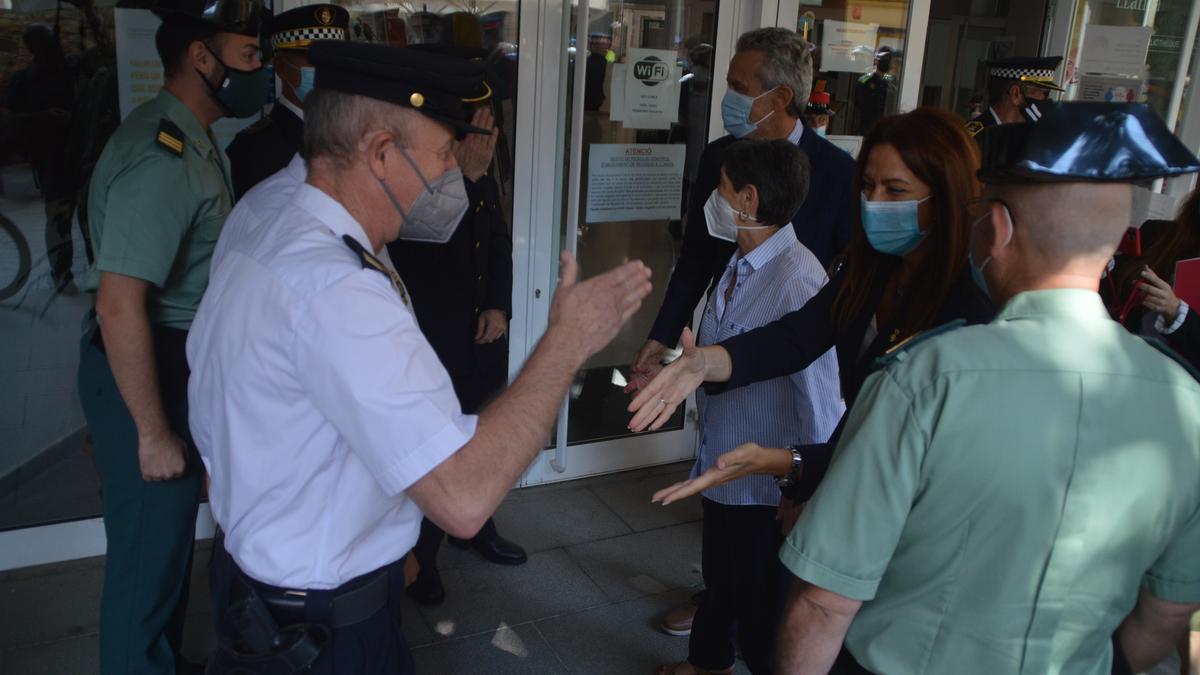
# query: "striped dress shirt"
{"points": [[778, 277]]}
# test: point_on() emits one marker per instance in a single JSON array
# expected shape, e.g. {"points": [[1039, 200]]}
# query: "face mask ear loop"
{"points": [[395, 202], [428, 188], [1008, 219]]}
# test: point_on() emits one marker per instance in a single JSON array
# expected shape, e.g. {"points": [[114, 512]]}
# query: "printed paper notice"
{"points": [[634, 182], [1115, 50], [848, 47], [1109, 89], [651, 89], [140, 73]]}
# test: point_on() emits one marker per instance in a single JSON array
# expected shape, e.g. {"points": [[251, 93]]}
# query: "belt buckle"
{"points": [[297, 594]]}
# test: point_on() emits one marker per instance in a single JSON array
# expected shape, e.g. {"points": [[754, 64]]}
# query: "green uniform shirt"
{"points": [[156, 207], [1002, 491]]}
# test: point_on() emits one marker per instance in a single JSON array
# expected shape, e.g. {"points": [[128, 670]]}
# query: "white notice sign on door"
{"points": [[634, 182], [848, 47], [651, 89]]}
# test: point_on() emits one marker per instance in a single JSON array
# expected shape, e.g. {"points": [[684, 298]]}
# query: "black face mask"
{"points": [[241, 93], [1030, 110]]}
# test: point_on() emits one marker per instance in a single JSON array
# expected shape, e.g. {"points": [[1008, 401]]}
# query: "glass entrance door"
{"points": [[632, 119]]}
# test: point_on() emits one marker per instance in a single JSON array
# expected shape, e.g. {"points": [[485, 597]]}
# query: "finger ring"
{"points": [[662, 401]]}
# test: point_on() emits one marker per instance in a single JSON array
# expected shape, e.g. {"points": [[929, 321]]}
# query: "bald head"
{"points": [[1062, 234]]}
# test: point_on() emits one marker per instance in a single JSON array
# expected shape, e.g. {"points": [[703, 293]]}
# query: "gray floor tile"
{"points": [[506, 650], [630, 499], [416, 629], [645, 563], [542, 520], [75, 655], [619, 638], [483, 597]]}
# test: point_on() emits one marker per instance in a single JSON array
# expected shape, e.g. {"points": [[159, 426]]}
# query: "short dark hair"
{"points": [[173, 39], [778, 169], [998, 89]]}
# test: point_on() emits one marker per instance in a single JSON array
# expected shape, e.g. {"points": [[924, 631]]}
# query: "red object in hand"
{"points": [[1187, 281], [1135, 298], [1131, 243]]}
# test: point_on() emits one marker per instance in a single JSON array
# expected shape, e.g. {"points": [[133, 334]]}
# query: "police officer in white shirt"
{"points": [[324, 417]]}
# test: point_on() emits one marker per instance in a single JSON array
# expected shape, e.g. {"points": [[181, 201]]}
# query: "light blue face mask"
{"points": [[735, 113], [892, 228], [307, 75], [977, 270]]}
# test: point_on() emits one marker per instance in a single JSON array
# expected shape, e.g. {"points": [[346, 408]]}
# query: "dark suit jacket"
{"points": [[822, 224], [451, 284], [800, 337], [263, 148]]}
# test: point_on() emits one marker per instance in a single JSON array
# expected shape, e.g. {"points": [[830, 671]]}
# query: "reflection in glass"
{"points": [[679, 76], [58, 106]]}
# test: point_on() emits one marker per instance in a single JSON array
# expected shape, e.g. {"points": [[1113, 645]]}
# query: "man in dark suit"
{"points": [[268, 145], [462, 295], [769, 80]]}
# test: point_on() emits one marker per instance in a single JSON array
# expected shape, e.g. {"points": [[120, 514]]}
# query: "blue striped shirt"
{"points": [[778, 277]]}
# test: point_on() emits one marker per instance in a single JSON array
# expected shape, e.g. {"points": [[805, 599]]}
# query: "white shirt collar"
{"points": [[797, 133], [330, 212], [768, 250]]}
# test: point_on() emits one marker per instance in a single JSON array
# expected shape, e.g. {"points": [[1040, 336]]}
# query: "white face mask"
{"points": [[721, 218], [820, 131]]}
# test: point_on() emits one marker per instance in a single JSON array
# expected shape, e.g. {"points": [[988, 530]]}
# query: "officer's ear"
{"points": [[379, 148], [1014, 95], [747, 200], [200, 55]]}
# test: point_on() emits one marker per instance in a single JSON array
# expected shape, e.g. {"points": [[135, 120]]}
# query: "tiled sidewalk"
{"points": [[604, 564]]}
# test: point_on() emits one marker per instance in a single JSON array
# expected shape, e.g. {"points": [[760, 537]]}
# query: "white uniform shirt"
{"points": [[315, 400]]}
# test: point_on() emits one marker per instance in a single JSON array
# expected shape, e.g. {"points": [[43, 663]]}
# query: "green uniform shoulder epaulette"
{"points": [[974, 127], [171, 137], [900, 351], [1172, 354]]}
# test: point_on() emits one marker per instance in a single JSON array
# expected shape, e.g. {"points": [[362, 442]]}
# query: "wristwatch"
{"points": [[793, 475]]}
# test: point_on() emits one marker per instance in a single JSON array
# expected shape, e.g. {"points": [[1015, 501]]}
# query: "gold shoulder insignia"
{"points": [[170, 137], [370, 262], [974, 127], [898, 351]]}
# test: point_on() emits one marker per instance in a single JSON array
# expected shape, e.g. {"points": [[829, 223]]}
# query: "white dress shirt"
{"points": [[315, 400]]}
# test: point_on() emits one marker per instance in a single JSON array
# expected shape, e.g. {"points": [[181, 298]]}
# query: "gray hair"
{"points": [[335, 123], [787, 62]]}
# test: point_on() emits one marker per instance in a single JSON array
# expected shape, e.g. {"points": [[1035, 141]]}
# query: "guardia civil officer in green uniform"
{"points": [[267, 146], [1006, 497], [1016, 85], [158, 198]]}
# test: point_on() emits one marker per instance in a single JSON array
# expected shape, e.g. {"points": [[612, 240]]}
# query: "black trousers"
{"points": [[375, 646], [742, 580]]}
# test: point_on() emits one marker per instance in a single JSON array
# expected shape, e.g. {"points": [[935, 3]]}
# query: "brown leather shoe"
{"points": [[678, 621]]}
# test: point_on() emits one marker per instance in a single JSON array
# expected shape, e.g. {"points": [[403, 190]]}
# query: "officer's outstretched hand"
{"points": [[161, 457], [591, 313]]}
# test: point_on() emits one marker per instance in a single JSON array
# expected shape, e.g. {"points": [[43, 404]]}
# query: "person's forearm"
{"points": [[1147, 642], [510, 433], [129, 345], [811, 635], [718, 367]]}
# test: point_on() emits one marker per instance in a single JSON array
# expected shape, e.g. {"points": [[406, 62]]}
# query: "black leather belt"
{"points": [[348, 607]]}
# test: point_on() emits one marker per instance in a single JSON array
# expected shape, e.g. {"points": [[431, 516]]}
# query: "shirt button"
{"points": [[479, 278], [476, 244]]}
